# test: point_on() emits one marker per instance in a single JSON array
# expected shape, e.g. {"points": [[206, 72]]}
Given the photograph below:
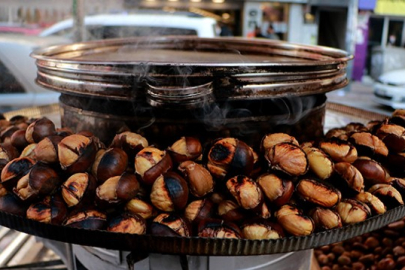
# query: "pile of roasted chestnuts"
{"points": [[222, 188]]}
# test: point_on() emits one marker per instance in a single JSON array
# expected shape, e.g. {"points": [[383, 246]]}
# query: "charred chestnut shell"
{"points": [[14, 170], [216, 228], [90, 219], [10, 203], [79, 189], [127, 223], [170, 224], [393, 136], [52, 210]]}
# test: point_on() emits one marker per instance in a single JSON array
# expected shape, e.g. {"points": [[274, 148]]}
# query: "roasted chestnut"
{"points": [[287, 158], [5, 134], [261, 229], [398, 117], [319, 162], [76, 153], [198, 210], [356, 127], [229, 157], [47, 149], [79, 188], [325, 218], [14, 170], [372, 171], [348, 179], [10, 203], [339, 133], [373, 202], [396, 163], [109, 163], [317, 193], [216, 228], [18, 139], [186, 148], [245, 191], [198, 177], [339, 151], [130, 142], [387, 194], [398, 184], [170, 224], [117, 189], [230, 211], [272, 139], [393, 136], [90, 219], [276, 190], [169, 192], [294, 221], [352, 211], [8, 152], [150, 163], [127, 223], [368, 144], [141, 208], [41, 180], [52, 210], [29, 151], [39, 129]]}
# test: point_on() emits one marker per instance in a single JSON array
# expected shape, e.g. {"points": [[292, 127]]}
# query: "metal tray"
{"points": [[237, 68]]}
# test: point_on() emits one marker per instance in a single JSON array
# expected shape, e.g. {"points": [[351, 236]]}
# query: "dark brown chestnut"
{"points": [[169, 192], [10, 203], [52, 210], [79, 188], [277, 190], [47, 149], [186, 148], [373, 202], [5, 134], [352, 211], [76, 153], [117, 189], [245, 191], [199, 179], [294, 221], [8, 152], [339, 133], [398, 184], [372, 171], [325, 218], [217, 228], [170, 224], [127, 223], [14, 170], [272, 139], [348, 179], [141, 208], [393, 136], [229, 157], [64, 131], [230, 210], [18, 139], [368, 144], [198, 210], [389, 195], [90, 219], [150, 163], [108, 163], [287, 158], [39, 129], [339, 151], [320, 163], [317, 193], [261, 229]]}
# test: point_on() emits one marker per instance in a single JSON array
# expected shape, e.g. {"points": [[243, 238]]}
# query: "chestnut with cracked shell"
{"points": [[368, 144], [130, 142], [277, 190], [352, 211], [46, 150], [217, 228], [272, 139], [261, 229], [245, 191], [52, 210], [39, 129], [89, 219], [29, 151], [293, 221], [319, 162], [10, 203], [348, 179], [229, 157], [325, 218], [170, 224], [389, 195], [186, 148], [150, 163], [14, 170], [393, 136], [199, 179], [79, 188], [373, 202], [198, 210], [372, 171], [141, 208], [230, 211], [339, 151], [287, 158], [317, 193], [169, 192], [127, 223], [8, 152], [108, 163], [76, 153]]}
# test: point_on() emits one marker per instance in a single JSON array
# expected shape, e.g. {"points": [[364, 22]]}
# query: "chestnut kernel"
{"points": [[389, 195], [287, 158], [141, 208], [245, 191], [214, 228], [368, 144], [318, 193], [293, 221], [47, 149], [272, 139], [348, 179], [198, 210], [14, 170], [260, 229], [186, 148], [79, 188], [319, 163], [373, 202], [170, 224], [230, 211], [339, 151], [150, 163], [198, 177], [325, 218], [278, 191], [352, 211]]}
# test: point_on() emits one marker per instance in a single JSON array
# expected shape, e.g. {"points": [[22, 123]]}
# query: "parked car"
{"points": [[18, 72], [390, 89], [128, 25]]}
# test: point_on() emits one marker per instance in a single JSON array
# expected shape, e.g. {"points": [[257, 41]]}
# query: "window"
{"points": [[8, 83]]}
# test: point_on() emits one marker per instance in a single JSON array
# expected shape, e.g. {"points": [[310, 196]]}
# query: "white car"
{"points": [[128, 25], [18, 71], [390, 89]]}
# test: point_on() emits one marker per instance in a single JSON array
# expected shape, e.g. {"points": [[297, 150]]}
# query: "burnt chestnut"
{"points": [[319, 162], [294, 221], [261, 229], [79, 188], [47, 149], [325, 218], [368, 144], [169, 192], [287, 158], [373, 202], [117, 189], [10, 203], [317, 193], [348, 179], [41, 180], [393, 136], [18, 139], [217, 228], [141, 208], [127, 223], [186, 148], [352, 211], [14, 170], [245, 191], [76, 153], [339, 151], [52, 210], [229, 157], [90, 219], [272, 139], [109, 163], [230, 211], [278, 191], [170, 224], [39, 129], [198, 177], [389, 195], [150, 163], [199, 210], [372, 171]]}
